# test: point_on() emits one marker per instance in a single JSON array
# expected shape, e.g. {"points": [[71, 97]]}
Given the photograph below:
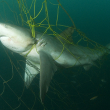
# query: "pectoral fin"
{"points": [[30, 72], [47, 70]]}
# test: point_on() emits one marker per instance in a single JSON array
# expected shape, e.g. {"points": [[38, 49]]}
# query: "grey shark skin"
{"points": [[45, 56]]}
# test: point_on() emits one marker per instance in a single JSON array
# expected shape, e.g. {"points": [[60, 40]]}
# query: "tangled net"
{"points": [[64, 93]]}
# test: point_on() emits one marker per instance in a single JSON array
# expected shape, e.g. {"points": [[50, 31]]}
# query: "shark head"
{"points": [[15, 38]]}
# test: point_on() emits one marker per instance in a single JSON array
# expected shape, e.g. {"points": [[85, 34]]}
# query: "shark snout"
{"points": [[2, 25]]}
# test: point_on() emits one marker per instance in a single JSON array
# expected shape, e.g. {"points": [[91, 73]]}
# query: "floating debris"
{"points": [[93, 98]]}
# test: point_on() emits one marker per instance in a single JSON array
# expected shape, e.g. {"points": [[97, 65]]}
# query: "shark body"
{"points": [[45, 53]]}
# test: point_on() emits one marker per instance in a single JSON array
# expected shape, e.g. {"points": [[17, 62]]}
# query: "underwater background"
{"points": [[71, 88]]}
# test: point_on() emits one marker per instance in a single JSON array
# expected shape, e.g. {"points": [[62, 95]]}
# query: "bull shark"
{"points": [[44, 54]]}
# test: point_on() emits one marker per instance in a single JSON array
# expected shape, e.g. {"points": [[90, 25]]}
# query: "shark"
{"points": [[45, 54]]}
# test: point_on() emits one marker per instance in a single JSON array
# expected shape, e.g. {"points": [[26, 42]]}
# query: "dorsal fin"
{"points": [[66, 34]]}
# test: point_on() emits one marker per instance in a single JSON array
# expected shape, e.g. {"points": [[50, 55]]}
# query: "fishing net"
{"points": [[70, 88]]}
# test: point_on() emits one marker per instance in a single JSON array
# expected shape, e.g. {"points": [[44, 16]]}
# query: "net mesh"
{"points": [[67, 88]]}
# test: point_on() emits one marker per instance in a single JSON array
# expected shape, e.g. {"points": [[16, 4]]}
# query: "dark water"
{"points": [[70, 89]]}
